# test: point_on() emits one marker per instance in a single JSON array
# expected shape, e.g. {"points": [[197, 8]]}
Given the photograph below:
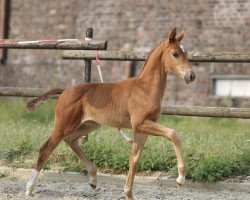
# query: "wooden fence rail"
{"points": [[65, 45], [142, 55], [21, 92], [222, 112]]}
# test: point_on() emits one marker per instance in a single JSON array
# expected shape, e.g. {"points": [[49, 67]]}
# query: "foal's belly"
{"points": [[113, 119]]}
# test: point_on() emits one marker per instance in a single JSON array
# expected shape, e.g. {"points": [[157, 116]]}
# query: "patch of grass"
{"points": [[17, 125], [214, 148], [3, 174], [16, 109], [25, 148]]}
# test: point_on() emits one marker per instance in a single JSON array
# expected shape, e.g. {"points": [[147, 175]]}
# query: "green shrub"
{"points": [[211, 168]]}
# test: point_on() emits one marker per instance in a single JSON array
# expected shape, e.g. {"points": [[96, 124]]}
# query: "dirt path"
{"points": [[14, 189], [55, 185]]}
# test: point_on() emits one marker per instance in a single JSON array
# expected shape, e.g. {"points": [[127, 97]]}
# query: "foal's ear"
{"points": [[172, 38], [180, 36]]}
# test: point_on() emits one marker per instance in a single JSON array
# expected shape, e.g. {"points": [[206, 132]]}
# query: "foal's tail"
{"points": [[33, 104]]}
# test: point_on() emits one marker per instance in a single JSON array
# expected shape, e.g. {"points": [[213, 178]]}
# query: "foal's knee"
{"points": [[135, 162], [174, 137]]}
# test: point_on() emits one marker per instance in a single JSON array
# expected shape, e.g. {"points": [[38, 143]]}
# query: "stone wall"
{"points": [[209, 25]]}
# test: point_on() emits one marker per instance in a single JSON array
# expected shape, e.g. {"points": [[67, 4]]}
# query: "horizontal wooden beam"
{"points": [[142, 55], [106, 55], [64, 45], [240, 57], [221, 112], [21, 92]]}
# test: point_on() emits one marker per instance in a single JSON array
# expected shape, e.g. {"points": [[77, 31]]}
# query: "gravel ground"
{"points": [[64, 190]]}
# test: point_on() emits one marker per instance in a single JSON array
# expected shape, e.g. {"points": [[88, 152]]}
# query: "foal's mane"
{"points": [[149, 54]]}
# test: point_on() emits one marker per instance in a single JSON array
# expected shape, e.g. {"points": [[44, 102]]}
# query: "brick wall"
{"points": [[209, 25]]}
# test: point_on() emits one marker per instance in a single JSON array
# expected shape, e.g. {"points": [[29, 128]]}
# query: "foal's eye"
{"points": [[175, 54]]}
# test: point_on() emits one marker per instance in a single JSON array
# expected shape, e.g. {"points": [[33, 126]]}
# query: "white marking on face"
{"points": [[182, 48]]}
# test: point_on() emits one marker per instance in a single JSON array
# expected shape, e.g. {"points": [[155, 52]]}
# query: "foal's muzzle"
{"points": [[189, 77]]}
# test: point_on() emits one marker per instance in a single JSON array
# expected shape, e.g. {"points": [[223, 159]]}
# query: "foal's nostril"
{"points": [[189, 77], [192, 76]]}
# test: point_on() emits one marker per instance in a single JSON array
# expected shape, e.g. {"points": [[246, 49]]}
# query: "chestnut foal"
{"points": [[134, 103]]}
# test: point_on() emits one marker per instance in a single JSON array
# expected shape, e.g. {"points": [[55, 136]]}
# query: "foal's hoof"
{"points": [[178, 185], [28, 193], [93, 182], [29, 189], [180, 181], [92, 186], [129, 198]]}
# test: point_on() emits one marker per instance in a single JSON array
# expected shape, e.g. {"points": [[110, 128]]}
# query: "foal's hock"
{"points": [[134, 103]]}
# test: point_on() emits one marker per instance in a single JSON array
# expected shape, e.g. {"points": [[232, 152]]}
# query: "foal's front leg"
{"points": [[137, 148], [152, 128]]}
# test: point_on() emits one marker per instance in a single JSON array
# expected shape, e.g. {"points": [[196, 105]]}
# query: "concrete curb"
{"points": [[50, 175]]}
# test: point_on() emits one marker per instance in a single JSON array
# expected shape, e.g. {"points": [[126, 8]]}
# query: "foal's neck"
{"points": [[153, 71]]}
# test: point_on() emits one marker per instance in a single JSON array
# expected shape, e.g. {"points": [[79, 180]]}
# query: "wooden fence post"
{"points": [[87, 77], [4, 26], [87, 72]]}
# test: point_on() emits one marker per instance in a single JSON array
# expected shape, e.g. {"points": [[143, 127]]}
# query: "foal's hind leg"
{"points": [[44, 153], [72, 141]]}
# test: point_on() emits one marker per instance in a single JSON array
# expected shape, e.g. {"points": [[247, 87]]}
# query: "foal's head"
{"points": [[175, 57]]}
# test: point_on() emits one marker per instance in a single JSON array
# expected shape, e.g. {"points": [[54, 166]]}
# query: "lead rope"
{"points": [[128, 139], [98, 65]]}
